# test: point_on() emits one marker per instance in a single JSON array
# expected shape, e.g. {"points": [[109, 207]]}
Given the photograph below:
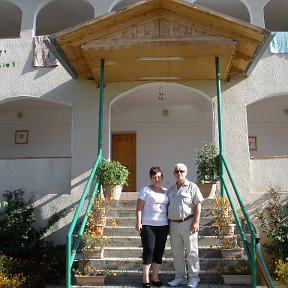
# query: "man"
{"points": [[184, 214]]}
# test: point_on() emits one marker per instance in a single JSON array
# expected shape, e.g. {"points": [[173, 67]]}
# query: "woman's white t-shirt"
{"points": [[155, 207]]}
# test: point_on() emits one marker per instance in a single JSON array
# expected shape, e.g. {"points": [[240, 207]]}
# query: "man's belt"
{"points": [[182, 220]]}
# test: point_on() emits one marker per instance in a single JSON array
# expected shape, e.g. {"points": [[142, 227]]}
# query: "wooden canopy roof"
{"points": [[160, 40]]}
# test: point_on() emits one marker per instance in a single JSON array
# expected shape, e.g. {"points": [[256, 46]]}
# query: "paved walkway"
{"points": [[136, 285]]}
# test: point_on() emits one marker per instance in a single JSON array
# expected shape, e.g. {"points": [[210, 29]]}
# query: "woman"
{"points": [[152, 223]]}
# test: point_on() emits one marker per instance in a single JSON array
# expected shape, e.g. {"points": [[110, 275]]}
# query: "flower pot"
{"points": [[236, 253], [98, 229], [93, 253], [229, 229], [101, 221], [112, 192], [96, 280], [237, 279], [208, 189]]}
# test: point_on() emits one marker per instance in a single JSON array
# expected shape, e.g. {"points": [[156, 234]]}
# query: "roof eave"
{"points": [[263, 45], [60, 55]]}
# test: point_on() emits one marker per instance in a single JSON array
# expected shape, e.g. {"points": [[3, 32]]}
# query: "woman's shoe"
{"points": [[145, 284], [157, 283]]}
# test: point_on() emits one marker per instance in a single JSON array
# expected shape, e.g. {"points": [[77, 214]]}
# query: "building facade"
{"points": [[49, 121]]}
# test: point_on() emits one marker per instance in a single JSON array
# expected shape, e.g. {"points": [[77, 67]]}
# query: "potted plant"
{"points": [[239, 272], [87, 274], [112, 175], [93, 245], [224, 218], [207, 161], [98, 214], [231, 245]]}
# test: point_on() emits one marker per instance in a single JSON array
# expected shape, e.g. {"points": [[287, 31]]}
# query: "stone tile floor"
{"points": [[138, 285]]}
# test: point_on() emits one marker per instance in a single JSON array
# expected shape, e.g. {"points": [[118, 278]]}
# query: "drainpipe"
{"points": [[100, 121], [220, 136]]}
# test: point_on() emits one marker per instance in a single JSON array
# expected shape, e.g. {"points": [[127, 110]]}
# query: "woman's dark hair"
{"points": [[154, 170]]}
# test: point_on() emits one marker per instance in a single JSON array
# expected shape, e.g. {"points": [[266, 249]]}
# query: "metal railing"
{"points": [[71, 249], [251, 247]]}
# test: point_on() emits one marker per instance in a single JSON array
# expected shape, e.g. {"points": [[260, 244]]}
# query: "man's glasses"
{"points": [[179, 171]]}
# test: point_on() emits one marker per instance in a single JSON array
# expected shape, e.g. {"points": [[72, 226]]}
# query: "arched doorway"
{"points": [[168, 121]]}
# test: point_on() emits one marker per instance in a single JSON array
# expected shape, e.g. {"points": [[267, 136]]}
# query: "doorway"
{"points": [[124, 151]]}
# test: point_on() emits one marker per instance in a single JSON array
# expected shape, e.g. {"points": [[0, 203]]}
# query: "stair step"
{"points": [[128, 230], [135, 263], [119, 252], [125, 241], [135, 241]]}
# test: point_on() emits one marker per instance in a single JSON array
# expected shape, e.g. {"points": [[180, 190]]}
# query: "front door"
{"points": [[124, 151]]}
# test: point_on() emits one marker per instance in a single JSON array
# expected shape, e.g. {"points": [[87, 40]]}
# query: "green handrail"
{"points": [[252, 250], [219, 110], [71, 251]]}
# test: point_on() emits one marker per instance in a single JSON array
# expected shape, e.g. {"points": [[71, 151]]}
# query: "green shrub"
{"points": [[16, 220], [26, 256], [273, 222]]}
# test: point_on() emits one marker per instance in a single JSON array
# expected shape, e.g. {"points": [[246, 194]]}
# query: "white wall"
{"points": [[268, 122], [49, 133], [274, 173], [41, 176]]}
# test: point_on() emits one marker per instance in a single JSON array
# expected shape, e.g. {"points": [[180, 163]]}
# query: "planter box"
{"points": [[97, 280], [93, 253], [237, 279], [232, 253]]}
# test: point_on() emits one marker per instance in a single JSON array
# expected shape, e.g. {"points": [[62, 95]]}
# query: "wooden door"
{"points": [[124, 151]]}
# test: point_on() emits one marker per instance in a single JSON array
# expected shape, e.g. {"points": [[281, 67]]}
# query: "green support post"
{"points": [[100, 122], [219, 109]]}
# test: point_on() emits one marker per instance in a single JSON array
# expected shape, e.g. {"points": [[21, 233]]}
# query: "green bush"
{"points": [[273, 222], [27, 259], [16, 220]]}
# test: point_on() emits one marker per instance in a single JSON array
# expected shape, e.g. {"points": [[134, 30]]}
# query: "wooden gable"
{"points": [[157, 39]]}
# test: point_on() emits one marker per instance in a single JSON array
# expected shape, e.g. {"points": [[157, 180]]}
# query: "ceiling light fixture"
{"points": [[160, 78], [168, 58], [160, 93], [20, 115]]}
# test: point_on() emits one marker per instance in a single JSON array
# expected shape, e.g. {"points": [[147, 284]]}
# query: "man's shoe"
{"points": [[193, 282], [178, 281]]}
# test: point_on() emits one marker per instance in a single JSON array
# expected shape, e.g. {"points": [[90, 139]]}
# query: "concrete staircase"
{"points": [[123, 256]]}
